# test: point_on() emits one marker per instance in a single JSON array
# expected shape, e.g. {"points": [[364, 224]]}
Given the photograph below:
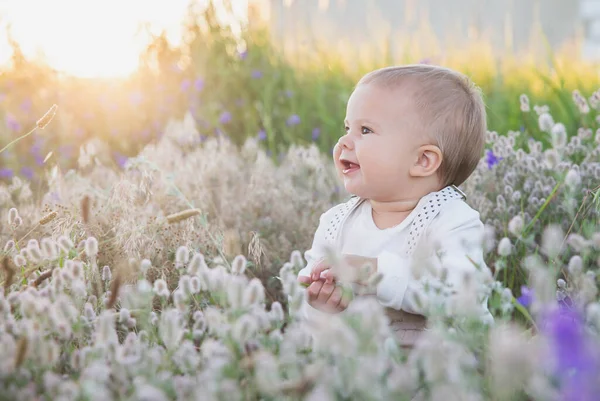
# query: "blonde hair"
{"points": [[451, 110]]}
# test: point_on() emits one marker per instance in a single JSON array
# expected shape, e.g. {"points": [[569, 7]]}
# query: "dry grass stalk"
{"points": [[85, 209], [48, 218], [45, 120], [21, 351], [42, 277], [184, 215], [8, 272], [115, 285]]}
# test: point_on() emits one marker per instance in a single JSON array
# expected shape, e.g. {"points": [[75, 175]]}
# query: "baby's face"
{"points": [[383, 134]]}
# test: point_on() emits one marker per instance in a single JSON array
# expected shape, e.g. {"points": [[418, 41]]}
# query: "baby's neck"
{"points": [[390, 214]]}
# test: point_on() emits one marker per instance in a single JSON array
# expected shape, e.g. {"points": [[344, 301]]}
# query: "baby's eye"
{"points": [[366, 130], [346, 128]]}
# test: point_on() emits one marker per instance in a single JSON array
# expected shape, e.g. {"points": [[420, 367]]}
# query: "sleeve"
{"points": [[451, 248]]}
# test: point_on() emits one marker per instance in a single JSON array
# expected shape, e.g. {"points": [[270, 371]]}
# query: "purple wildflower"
{"points": [[12, 123], [289, 93], [26, 105], [225, 117], [294, 119], [39, 160], [256, 74], [526, 296], [185, 85], [6, 172], [27, 172], [243, 54], [120, 159], [199, 84], [577, 360], [491, 159], [316, 133], [262, 135]]}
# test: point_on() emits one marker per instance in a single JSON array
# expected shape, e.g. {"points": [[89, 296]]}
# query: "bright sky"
{"points": [[90, 38]]}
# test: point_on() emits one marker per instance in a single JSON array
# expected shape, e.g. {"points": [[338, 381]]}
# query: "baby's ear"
{"points": [[429, 160]]}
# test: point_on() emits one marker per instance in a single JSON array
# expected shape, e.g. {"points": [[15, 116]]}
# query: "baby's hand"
{"points": [[355, 273], [326, 297]]}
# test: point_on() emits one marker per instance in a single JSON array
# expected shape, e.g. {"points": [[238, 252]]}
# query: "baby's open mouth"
{"points": [[349, 167]]}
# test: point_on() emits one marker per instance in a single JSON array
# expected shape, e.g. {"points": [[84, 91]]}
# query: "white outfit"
{"points": [[442, 231]]}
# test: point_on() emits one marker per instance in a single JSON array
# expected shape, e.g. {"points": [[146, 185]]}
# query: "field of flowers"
{"points": [[163, 267]]}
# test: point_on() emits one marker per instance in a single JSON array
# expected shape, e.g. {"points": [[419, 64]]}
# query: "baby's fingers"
{"points": [[319, 268]]}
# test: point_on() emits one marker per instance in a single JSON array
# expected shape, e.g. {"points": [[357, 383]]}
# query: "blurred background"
{"points": [[277, 70]]}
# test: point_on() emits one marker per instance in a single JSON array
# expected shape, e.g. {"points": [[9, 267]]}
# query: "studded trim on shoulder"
{"points": [[426, 213]]}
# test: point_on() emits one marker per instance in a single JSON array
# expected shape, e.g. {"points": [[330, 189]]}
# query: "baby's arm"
{"points": [[456, 235]]}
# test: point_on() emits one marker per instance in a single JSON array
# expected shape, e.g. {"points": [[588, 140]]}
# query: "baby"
{"points": [[413, 134]]}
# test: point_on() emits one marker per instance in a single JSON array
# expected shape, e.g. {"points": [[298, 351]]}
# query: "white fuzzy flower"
{"points": [[91, 247], [12, 216], [49, 248], [546, 122], [19, 260], [105, 331], [244, 328], [504, 247], [124, 315], [575, 265], [106, 274], [182, 256], [516, 225], [267, 372], [276, 312], [88, 311], [551, 158], [196, 284], [185, 285], [145, 265], [161, 289], [552, 241], [577, 242], [170, 328], [180, 300], [197, 264], [238, 267], [573, 179], [524, 100], [559, 135], [65, 243], [10, 245], [254, 293]]}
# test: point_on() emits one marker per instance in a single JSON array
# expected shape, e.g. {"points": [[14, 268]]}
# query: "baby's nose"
{"points": [[346, 142]]}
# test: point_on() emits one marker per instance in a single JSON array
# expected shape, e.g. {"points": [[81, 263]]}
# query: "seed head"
{"points": [[65, 243], [45, 120], [106, 274], [573, 179], [254, 293], [504, 247], [546, 122], [575, 265], [515, 226], [145, 265], [239, 265], [91, 247], [524, 100], [12, 216], [49, 248], [182, 256], [552, 239], [48, 218], [184, 215], [161, 289]]}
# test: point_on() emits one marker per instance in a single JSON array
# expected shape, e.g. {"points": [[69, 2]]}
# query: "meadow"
{"points": [[151, 232]]}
